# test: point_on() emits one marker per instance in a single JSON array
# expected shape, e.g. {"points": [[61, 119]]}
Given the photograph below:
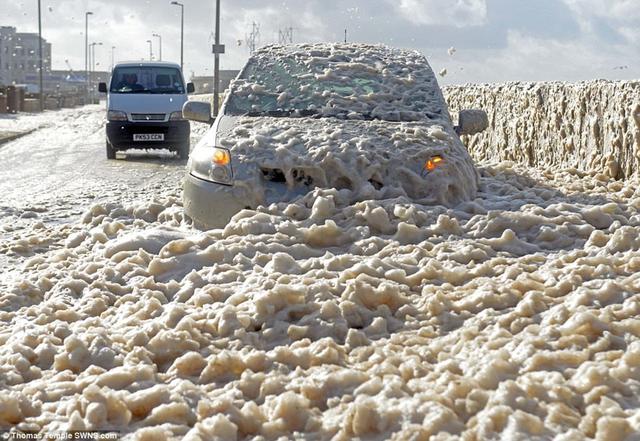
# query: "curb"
{"points": [[12, 136]]}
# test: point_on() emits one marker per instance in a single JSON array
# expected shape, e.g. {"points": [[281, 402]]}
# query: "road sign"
{"points": [[217, 48]]}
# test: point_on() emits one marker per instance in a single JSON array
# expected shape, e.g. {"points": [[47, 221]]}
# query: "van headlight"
{"points": [[176, 116], [116, 115], [212, 164]]}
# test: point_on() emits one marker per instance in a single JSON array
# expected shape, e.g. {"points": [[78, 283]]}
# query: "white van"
{"points": [[144, 108]]}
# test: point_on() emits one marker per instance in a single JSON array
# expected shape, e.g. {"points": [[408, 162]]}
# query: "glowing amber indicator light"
{"points": [[221, 157], [433, 163]]}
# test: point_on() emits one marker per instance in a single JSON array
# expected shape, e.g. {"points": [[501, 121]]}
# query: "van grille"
{"points": [[147, 116]]}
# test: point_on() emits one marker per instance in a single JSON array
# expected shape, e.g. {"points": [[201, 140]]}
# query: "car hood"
{"points": [[370, 158], [146, 103]]}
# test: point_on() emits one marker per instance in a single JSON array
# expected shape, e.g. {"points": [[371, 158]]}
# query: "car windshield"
{"points": [[336, 85], [147, 79]]}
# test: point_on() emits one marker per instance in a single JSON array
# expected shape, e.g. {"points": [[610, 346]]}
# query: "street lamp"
{"points": [[113, 48], [86, 53], [160, 45], [93, 64], [181, 33], [150, 50]]}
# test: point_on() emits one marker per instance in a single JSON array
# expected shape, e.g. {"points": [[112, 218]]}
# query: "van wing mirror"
{"points": [[197, 111], [472, 121], [190, 88], [102, 87]]}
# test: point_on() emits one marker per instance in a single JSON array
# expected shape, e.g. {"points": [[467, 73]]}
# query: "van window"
{"points": [[147, 79]]}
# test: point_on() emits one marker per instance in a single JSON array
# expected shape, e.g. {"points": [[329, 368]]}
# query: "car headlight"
{"points": [[432, 164], [212, 164], [116, 115], [176, 116]]}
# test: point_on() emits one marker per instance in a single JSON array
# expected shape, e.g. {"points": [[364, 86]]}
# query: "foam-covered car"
{"points": [[367, 119]]}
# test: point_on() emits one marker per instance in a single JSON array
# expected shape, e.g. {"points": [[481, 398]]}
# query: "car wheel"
{"points": [[183, 150], [111, 152]]}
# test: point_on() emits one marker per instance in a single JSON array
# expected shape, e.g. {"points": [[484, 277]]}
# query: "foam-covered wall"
{"points": [[592, 126]]}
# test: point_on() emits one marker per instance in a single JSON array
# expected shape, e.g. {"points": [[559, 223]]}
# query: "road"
{"points": [[60, 170], [511, 316]]}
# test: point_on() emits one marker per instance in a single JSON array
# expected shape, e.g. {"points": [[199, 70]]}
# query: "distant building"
{"points": [[204, 84], [19, 56]]}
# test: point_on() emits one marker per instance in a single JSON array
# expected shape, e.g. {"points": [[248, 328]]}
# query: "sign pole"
{"points": [[216, 68]]}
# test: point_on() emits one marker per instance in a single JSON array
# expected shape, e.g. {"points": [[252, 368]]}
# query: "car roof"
{"points": [[326, 49], [391, 76], [147, 63]]}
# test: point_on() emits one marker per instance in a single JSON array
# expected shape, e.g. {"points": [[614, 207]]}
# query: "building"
{"points": [[204, 84], [19, 56]]}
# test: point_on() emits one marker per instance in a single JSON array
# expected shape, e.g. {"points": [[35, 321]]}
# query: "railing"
{"points": [[14, 99]]}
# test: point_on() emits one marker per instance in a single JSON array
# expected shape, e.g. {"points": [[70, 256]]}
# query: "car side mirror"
{"points": [[102, 87], [190, 88], [197, 111], [472, 121]]}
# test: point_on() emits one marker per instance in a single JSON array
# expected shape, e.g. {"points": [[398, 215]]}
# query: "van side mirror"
{"points": [[190, 88], [197, 111], [472, 121], [102, 87]]}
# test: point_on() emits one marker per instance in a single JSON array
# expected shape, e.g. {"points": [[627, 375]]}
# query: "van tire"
{"points": [[183, 150], [111, 152]]}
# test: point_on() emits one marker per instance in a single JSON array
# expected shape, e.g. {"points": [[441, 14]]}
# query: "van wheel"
{"points": [[183, 150], [111, 152]]}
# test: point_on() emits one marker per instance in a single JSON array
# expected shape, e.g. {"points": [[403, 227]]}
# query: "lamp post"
{"points": [[113, 49], [40, 57], [86, 53], [150, 50], [159, 45], [181, 33], [93, 64]]}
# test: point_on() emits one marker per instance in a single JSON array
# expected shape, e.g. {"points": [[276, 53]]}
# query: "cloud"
{"points": [[619, 16], [528, 58], [619, 10], [458, 13], [497, 40]]}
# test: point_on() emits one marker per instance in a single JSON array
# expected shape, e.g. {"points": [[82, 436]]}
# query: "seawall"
{"points": [[591, 126]]}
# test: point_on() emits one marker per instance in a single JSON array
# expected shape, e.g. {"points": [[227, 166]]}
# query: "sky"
{"points": [[494, 40]]}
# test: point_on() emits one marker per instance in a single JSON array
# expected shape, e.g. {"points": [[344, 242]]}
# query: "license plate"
{"points": [[148, 137]]}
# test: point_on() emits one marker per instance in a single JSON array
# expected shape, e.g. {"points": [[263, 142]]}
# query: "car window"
{"points": [[147, 79], [336, 85]]}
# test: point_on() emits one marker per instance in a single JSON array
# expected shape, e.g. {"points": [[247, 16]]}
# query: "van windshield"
{"points": [[147, 79]]}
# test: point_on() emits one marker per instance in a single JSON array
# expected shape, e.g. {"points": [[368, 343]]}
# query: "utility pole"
{"points": [[150, 50], [160, 45], [253, 37], [285, 36], [216, 66], [345, 35], [92, 54], [181, 33], [40, 45], [113, 48], [86, 54]]}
